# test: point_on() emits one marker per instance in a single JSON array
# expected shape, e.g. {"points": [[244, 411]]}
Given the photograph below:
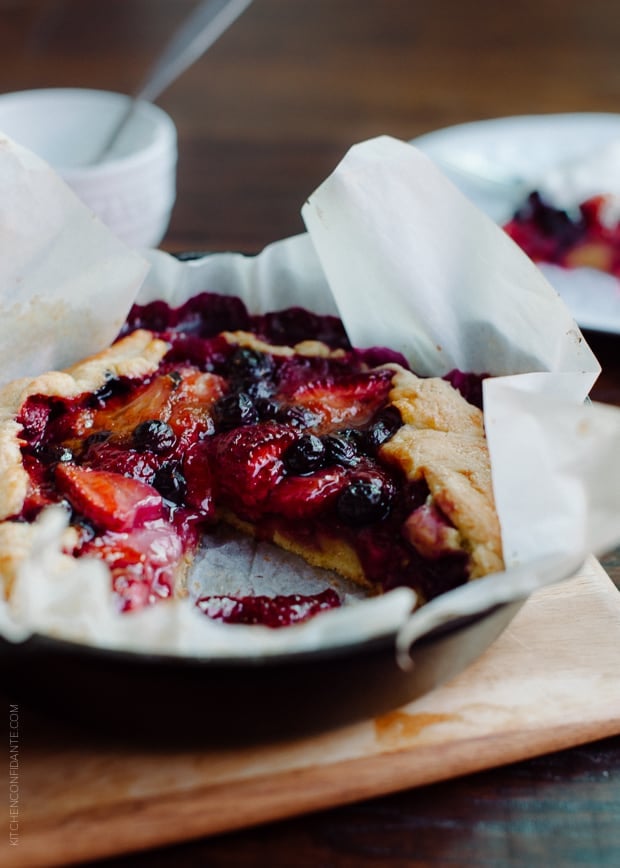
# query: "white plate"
{"points": [[509, 155]]}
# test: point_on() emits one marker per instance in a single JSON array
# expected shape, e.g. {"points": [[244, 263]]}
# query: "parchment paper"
{"points": [[66, 283], [408, 262]]}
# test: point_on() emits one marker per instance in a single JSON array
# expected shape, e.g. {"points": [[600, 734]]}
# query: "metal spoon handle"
{"points": [[197, 33]]}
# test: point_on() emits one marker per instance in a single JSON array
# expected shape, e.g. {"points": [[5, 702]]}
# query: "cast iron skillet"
{"points": [[131, 696]]}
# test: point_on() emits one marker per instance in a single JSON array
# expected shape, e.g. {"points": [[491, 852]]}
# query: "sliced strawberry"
{"points": [[138, 465], [150, 401], [111, 501], [143, 563], [182, 398], [190, 412], [299, 497], [428, 531], [198, 389], [33, 417], [247, 463], [352, 399], [199, 480]]}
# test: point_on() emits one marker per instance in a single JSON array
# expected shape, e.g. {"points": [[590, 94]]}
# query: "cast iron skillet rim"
{"points": [[41, 642]]}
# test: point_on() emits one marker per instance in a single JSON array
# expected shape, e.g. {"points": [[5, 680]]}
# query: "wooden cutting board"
{"points": [[551, 681]]}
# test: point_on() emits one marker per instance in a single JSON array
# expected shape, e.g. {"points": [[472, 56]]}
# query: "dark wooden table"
{"points": [[262, 119]]}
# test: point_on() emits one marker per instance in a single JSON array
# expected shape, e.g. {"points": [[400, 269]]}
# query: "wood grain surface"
{"points": [[262, 119], [546, 683]]}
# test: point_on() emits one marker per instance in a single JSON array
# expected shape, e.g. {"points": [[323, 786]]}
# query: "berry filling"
{"points": [[238, 424], [282, 610], [576, 239]]}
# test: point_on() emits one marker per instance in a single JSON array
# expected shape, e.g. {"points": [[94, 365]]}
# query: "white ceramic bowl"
{"points": [[133, 189]]}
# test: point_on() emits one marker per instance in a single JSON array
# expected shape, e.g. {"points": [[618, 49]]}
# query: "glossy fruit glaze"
{"points": [[570, 239], [289, 443], [282, 610]]}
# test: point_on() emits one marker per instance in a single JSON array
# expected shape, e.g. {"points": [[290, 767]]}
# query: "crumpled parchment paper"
{"points": [[66, 283], [407, 262]]}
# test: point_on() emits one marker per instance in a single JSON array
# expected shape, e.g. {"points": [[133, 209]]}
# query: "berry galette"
{"points": [[274, 424], [587, 237]]}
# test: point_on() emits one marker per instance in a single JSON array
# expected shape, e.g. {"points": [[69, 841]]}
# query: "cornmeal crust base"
{"points": [[441, 441]]}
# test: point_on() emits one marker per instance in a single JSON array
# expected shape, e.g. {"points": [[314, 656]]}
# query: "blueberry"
{"points": [[343, 448], [154, 435], [111, 387], [247, 364], [170, 483], [267, 408], [64, 455], [251, 372], [366, 499], [298, 417], [233, 410], [259, 390], [385, 425], [54, 454], [304, 455]]}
